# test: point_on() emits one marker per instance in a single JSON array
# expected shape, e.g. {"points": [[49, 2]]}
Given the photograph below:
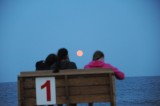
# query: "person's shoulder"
{"points": [[71, 62], [39, 62], [40, 65], [72, 65]]}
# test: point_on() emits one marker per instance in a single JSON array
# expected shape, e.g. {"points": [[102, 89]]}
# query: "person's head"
{"points": [[98, 55], [51, 59], [62, 54]]}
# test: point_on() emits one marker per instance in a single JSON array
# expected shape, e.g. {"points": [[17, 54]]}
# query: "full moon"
{"points": [[79, 53]]}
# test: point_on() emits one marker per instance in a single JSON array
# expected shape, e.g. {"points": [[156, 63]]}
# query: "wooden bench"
{"points": [[72, 86]]}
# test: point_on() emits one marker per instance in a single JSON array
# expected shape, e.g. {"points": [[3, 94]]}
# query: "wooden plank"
{"points": [[67, 90], [88, 81], [84, 90], [29, 93], [88, 90], [60, 91], [48, 73], [29, 102], [73, 99], [82, 81], [19, 91], [89, 98], [29, 83], [112, 91], [60, 82], [84, 99], [61, 100]]}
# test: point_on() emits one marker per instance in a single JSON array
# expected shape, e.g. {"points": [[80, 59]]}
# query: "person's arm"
{"points": [[55, 67], [118, 74]]}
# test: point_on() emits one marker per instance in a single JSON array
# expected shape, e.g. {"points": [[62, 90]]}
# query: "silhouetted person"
{"points": [[46, 64], [63, 63]]}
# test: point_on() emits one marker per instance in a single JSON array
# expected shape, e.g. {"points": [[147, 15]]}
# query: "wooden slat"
{"points": [[89, 98], [60, 82], [60, 91], [29, 83], [82, 81], [67, 90], [89, 90], [73, 91], [112, 93], [84, 99], [29, 102], [73, 99], [20, 96], [88, 81], [29, 93], [85, 90], [61, 100], [48, 73]]}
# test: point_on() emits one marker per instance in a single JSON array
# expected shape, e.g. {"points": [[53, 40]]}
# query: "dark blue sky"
{"points": [[128, 32]]}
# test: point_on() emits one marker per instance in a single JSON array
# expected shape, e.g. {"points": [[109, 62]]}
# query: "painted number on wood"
{"points": [[48, 89], [45, 91]]}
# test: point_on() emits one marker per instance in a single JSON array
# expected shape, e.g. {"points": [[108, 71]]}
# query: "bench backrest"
{"points": [[72, 86]]}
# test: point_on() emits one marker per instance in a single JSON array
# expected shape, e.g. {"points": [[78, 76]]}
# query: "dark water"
{"points": [[133, 91]]}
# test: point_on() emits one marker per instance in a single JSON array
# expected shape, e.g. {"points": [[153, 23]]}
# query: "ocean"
{"points": [[133, 91]]}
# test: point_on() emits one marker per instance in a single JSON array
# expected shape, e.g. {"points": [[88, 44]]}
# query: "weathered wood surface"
{"points": [[72, 86]]}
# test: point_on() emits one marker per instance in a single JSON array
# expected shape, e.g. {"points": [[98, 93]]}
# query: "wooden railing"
{"points": [[71, 86]]}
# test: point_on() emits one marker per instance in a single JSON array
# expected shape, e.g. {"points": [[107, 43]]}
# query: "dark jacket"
{"points": [[63, 65], [41, 65]]}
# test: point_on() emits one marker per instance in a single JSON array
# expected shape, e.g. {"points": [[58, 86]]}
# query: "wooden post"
{"points": [[20, 91], [67, 90], [112, 92]]}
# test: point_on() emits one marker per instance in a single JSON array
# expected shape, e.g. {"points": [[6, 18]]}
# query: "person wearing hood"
{"points": [[98, 62]]}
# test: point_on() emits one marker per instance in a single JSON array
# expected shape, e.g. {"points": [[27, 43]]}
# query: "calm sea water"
{"points": [[133, 91]]}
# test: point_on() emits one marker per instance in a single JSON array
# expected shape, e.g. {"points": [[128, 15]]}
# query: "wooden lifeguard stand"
{"points": [[71, 86]]}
